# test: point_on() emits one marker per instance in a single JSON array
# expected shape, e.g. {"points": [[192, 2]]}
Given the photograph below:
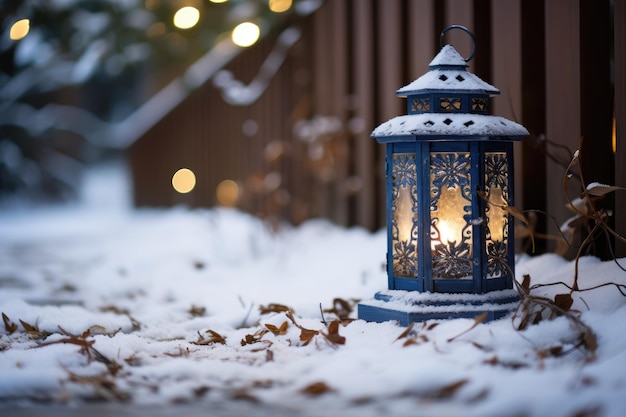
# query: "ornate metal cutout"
{"points": [[450, 210], [479, 104], [404, 221], [420, 104], [450, 104], [497, 219]]}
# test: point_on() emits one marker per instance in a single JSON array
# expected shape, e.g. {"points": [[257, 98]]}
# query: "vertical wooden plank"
{"points": [[506, 62], [389, 63], [534, 115], [597, 103], [562, 96], [363, 84], [507, 58], [339, 66], [322, 72], [460, 12], [482, 28], [619, 25], [389, 60], [421, 29], [301, 95]]}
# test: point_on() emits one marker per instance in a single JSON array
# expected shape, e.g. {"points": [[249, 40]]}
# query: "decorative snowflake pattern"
{"points": [[497, 261], [404, 176], [404, 170], [404, 259], [497, 175], [450, 169], [452, 260], [496, 170]]}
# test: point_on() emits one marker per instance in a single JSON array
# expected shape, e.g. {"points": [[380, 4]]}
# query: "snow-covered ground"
{"points": [[160, 307]]}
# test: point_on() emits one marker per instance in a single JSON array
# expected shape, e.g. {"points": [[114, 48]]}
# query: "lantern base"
{"points": [[407, 307]]}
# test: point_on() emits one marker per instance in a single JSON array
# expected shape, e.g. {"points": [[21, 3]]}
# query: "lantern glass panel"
{"points": [[497, 196], [404, 220], [450, 214]]}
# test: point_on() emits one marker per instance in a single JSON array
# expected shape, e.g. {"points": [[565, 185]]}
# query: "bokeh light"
{"points": [[218, 1], [19, 30], [279, 6], [227, 193], [184, 180], [246, 34], [186, 17]]}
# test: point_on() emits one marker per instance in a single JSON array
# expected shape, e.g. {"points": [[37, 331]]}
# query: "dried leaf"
{"points": [[214, 337], [274, 308], [195, 311], [33, 330], [333, 334], [306, 335], [477, 320], [8, 325], [316, 388], [406, 332], [432, 325], [526, 284], [409, 342], [86, 347], [590, 341], [278, 330], [563, 301], [597, 189], [341, 308], [556, 350], [250, 339], [517, 213], [481, 347]]}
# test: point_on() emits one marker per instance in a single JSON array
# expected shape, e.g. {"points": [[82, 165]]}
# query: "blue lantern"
{"points": [[449, 180]]}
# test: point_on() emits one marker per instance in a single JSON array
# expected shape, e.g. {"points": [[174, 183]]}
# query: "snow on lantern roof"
{"points": [[448, 56], [448, 73], [429, 126]]}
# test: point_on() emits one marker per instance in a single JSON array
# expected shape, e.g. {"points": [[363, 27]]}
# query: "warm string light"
{"points": [[19, 29], [280, 6], [186, 17], [246, 34], [227, 193], [184, 180]]}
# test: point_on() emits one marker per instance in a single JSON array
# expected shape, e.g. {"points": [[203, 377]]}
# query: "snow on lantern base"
{"points": [[407, 307]]}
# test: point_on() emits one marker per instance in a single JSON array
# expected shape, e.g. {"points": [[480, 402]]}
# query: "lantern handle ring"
{"points": [[464, 29]]}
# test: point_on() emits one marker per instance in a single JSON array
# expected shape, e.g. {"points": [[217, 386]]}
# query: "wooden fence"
{"points": [[303, 149]]}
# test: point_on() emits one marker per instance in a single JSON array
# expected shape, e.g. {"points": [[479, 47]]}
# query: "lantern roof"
{"points": [[433, 126], [448, 73], [448, 103]]}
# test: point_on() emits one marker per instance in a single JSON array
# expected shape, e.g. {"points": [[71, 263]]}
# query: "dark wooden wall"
{"points": [[550, 59]]}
